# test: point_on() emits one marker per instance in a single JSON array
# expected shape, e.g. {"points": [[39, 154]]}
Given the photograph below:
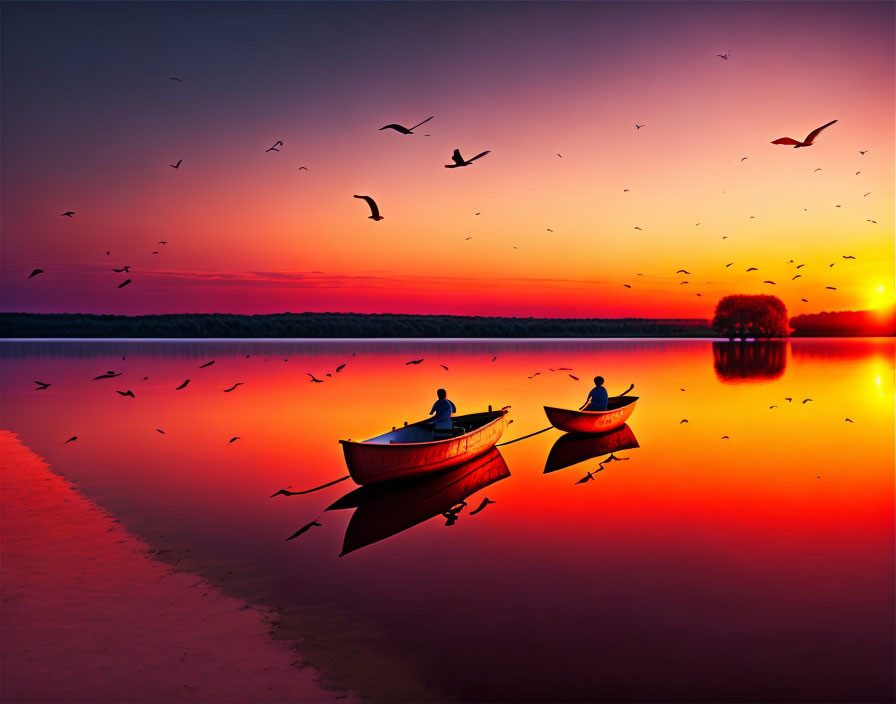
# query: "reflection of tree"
{"points": [[749, 361], [751, 316]]}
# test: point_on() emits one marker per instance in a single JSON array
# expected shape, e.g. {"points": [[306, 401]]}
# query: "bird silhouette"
{"points": [[807, 142], [340, 368], [42, 385], [744, 158], [848, 256], [172, 78], [183, 386], [160, 431], [725, 55], [770, 407], [535, 375], [752, 268], [126, 269], [107, 375], [278, 143], [374, 210], [683, 420], [67, 214], [727, 265], [207, 364], [589, 476], [798, 276], [637, 126], [35, 273], [864, 196], [314, 379], [806, 399], [788, 399], [485, 502], [769, 282], [405, 130], [627, 285], [239, 383], [126, 393], [495, 358], [725, 437], [460, 161], [177, 165], [71, 439], [573, 377], [444, 367], [863, 152], [124, 283], [848, 420], [832, 288], [413, 361], [804, 300], [682, 271], [303, 168], [304, 528], [800, 266], [233, 440]]}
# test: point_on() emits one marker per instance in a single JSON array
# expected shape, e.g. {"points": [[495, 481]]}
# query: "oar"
{"points": [[627, 390]]}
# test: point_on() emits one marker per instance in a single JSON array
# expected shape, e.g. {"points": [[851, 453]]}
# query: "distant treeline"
{"points": [[845, 324], [335, 325]]}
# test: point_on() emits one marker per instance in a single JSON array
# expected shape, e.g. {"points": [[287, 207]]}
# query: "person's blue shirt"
{"points": [[597, 399], [443, 408]]}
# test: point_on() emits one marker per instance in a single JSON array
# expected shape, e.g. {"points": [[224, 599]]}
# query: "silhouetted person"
{"points": [[443, 408], [597, 397]]}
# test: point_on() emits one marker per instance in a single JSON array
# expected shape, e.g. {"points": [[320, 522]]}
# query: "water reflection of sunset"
{"points": [[775, 543]]}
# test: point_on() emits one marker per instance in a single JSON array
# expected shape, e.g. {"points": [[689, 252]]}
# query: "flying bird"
{"points": [[278, 143], [637, 228], [863, 152], [124, 283], [126, 393], [788, 399], [848, 420], [806, 399], [807, 142], [183, 386], [405, 130], [752, 268], [160, 431], [683, 420], [725, 55], [340, 368], [799, 266], [771, 407], [573, 377], [744, 158], [314, 379], [172, 78], [832, 288], [413, 361], [207, 364], [67, 214], [864, 196], [627, 285], [770, 282], [41, 385], [798, 276], [727, 265], [306, 527], [374, 210], [682, 271], [816, 170], [460, 161], [233, 440], [107, 375], [725, 437], [848, 256], [71, 439], [126, 269], [637, 126], [35, 273], [485, 502], [177, 165], [495, 358], [239, 383], [444, 367], [303, 168], [804, 300]]}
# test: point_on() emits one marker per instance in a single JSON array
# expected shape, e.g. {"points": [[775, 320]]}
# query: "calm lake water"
{"points": [[754, 568]]}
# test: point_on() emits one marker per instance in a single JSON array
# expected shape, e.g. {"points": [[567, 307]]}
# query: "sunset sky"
{"points": [[91, 121]]}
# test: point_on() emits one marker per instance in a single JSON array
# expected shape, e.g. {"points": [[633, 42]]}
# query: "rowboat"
{"points": [[619, 408], [384, 510], [572, 448], [411, 451]]}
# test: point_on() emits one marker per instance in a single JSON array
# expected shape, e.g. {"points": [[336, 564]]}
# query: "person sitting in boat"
{"points": [[597, 397], [442, 408]]}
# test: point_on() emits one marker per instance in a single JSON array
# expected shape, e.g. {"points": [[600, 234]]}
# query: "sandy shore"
{"points": [[88, 616]]}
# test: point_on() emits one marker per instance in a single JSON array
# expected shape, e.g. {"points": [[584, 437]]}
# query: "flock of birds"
{"points": [[458, 161]]}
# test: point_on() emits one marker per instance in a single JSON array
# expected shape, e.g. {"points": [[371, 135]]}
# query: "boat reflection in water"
{"points": [[573, 448], [384, 510]]}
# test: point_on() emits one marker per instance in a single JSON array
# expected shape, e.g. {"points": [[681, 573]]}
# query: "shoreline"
{"points": [[84, 598]]}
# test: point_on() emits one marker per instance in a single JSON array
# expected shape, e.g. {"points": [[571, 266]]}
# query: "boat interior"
{"points": [[615, 402], [422, 431]]}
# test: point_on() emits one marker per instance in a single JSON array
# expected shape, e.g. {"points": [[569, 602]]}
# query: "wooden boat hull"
{"points": [[372, 462], [383, 510], [593, 421], [573, 448]]}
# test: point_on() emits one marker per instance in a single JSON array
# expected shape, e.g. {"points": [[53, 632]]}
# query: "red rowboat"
{"points": [[619, 408], [411, 451]]}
